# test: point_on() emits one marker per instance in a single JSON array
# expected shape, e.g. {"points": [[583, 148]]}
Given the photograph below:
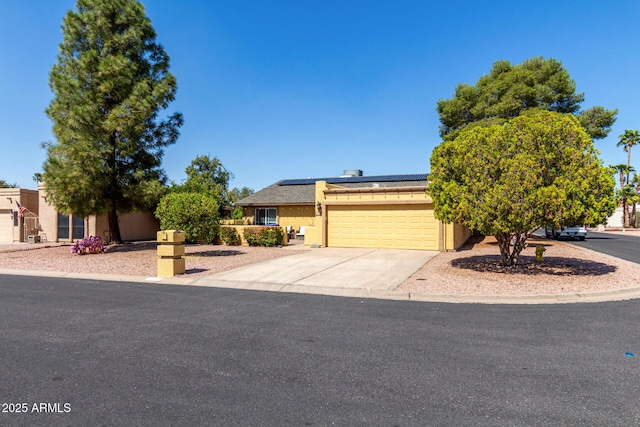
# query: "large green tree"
{"points": [[508, 180], [236, 193], [110, 83], [509, 90], [208, 175]]}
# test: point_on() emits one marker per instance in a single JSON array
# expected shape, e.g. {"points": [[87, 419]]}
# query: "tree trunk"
{"points": [[628, 162], [625, 213], [114, 228], [114, 191], [511, 244]]}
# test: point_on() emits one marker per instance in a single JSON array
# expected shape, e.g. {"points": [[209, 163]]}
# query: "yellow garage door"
{"points": [[382, 226]]}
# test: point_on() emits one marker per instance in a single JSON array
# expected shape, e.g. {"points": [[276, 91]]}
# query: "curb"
{"points": [[570, 298]]}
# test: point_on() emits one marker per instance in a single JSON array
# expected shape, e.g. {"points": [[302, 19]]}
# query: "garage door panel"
{"points": [[384, 226]]}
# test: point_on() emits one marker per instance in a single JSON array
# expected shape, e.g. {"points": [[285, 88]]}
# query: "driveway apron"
{"points": [[351, 268]]}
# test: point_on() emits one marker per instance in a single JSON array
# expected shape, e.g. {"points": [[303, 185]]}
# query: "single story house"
{"points": [[40, 221], [352, 210]]}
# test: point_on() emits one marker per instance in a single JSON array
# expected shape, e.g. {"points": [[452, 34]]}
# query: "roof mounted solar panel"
{"points": [[357, 179], [305, 181]]}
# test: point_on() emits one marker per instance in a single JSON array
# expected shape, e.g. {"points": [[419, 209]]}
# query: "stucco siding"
{"points": [[12, 227], [296, 216], [138, 226]]}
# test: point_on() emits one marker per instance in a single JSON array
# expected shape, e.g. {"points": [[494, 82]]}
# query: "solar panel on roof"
{"points": [[356, 179]]}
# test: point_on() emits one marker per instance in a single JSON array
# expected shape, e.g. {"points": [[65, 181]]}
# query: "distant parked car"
{"points": [[569, 232]]}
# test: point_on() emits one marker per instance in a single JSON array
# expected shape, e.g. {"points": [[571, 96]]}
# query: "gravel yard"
{"points": [[135, 259], [476, 270], [473, 270]]}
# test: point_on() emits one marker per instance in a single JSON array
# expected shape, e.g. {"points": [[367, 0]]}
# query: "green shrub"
{"points": [[196, 214], [263, 236], [252, 235], [229, 236], [271, 236]]}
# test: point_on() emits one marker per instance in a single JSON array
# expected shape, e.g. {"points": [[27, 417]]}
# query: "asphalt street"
{"points": [[615, 244], [117, 353]]}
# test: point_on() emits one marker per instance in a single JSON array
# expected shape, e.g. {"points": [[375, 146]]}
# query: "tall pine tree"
{"points": [[110, 82]]}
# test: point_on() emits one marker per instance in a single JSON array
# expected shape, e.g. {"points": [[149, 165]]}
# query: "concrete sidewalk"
{"points": [[361, 273]]}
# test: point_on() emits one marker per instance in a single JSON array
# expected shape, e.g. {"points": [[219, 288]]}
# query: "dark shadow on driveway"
{"points": [[196, 270], [132, 246], [214, 253], [145, 246], [555, 266]]}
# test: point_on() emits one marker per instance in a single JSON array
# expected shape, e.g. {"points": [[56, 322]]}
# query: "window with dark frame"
{"points": [[63, 226], [78, 227], [70, 227], [266, 216]]}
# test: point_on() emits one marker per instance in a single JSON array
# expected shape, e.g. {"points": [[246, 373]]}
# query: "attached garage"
{"points": [[392, 226], [356, 211]]}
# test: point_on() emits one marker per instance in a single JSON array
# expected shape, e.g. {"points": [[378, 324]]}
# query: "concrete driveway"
{"points": [[316, 270]]}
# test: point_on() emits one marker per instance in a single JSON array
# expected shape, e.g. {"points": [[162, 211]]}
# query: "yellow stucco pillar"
{"points": [[170, 251]]}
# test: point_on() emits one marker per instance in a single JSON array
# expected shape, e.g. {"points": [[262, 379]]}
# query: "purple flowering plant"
{"points": [[88, 245]]}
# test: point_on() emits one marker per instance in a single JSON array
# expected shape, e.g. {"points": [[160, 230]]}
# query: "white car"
{"points": [[569, 232]]}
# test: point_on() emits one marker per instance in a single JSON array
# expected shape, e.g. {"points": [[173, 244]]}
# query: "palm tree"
{"points": [[37, 177], [627, 140], [627, 195], [635, 185], [623, 174]]}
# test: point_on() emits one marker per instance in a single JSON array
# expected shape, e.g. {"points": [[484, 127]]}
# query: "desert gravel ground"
{"points": [[134, 259], [473, 270], [476, 270]]}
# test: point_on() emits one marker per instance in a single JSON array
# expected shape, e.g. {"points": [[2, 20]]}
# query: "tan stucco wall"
{"points": [[296, 216], [367, 195], [133, 226], [11, 226], [139, 226], [48, 217], [313, 236], [457, 235], [99, 226]]}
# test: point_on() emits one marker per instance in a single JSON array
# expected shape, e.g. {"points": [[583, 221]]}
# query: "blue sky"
{"points": [[296, 89]]}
